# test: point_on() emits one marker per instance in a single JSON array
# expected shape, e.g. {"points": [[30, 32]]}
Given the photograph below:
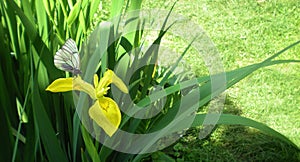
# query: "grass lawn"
{"points": [[247, 32]]}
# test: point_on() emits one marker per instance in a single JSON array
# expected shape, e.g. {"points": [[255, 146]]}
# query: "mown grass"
{"points": [[247, 32], [53, 130]]}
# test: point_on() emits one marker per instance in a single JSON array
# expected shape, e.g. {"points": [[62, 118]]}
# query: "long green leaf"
{"points": [[5, 152], [11, 24], [74, 13], [29, 26], [94, 6], [116, 7], [42, 19], [26, 5], [89, 145], [232, 77], [37, 42], [206, 96], [229, 119], [43, 124], [47, 133]]}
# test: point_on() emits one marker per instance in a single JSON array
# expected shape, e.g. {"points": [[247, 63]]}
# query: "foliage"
{"points": [[47, 126]]}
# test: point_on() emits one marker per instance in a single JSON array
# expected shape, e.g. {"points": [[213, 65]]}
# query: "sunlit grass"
{"points": [[246, 32]]}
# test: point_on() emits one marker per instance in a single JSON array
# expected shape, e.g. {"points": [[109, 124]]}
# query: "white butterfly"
{"points": [[67, 58]]}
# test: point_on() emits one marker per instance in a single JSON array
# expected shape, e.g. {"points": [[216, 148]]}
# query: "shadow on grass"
{"points": [[230, 143]]}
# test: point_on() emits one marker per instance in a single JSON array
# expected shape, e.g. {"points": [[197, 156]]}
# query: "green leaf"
{"points": [[206, 95], [232, 77], [29, 26], [5, 152], [116, 8], [42, 19], [161, 156], [74, 13], [82, 21], [11, 25], [22, 114], [63, 7], [53, 151], [89, 145], [26, 5], [37, 42], [94, 7], [230, 119], [47, 7], [135, 5]]}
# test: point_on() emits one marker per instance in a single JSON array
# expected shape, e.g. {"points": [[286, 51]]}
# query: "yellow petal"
{"points": [[108, 78], [61, 85], [105, 81], [106, 114], [118, 82], [96, 80], [69, 84], [81, 85]]}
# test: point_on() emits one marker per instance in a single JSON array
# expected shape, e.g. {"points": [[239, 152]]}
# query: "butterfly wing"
{"points": [[67, 58]]}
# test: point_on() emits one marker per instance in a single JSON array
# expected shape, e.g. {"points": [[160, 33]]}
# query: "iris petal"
{"points": [[81, 85], [119, 83], [96, 80], [61, 85], [69, 84], [106, 114]]}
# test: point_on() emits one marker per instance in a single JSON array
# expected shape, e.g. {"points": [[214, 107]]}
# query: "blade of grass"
{"points": [[11, 24], [37, 42], [94, 7], [204, 90], [47, 134], [229, 119], [43, 124], [206, 96], [169, 72], [232, 77], [20, 124], [29, 26], [74, 13], [116, 8], [89, 145], [42, 19], [26, 6], [6, 152], [64, 7], [132, 26]]}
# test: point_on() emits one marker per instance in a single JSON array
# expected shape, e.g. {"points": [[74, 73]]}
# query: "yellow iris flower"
{"points": [[105, 111]]}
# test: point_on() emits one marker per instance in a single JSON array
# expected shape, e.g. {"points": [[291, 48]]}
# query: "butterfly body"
{"points": [[67, 58]]}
